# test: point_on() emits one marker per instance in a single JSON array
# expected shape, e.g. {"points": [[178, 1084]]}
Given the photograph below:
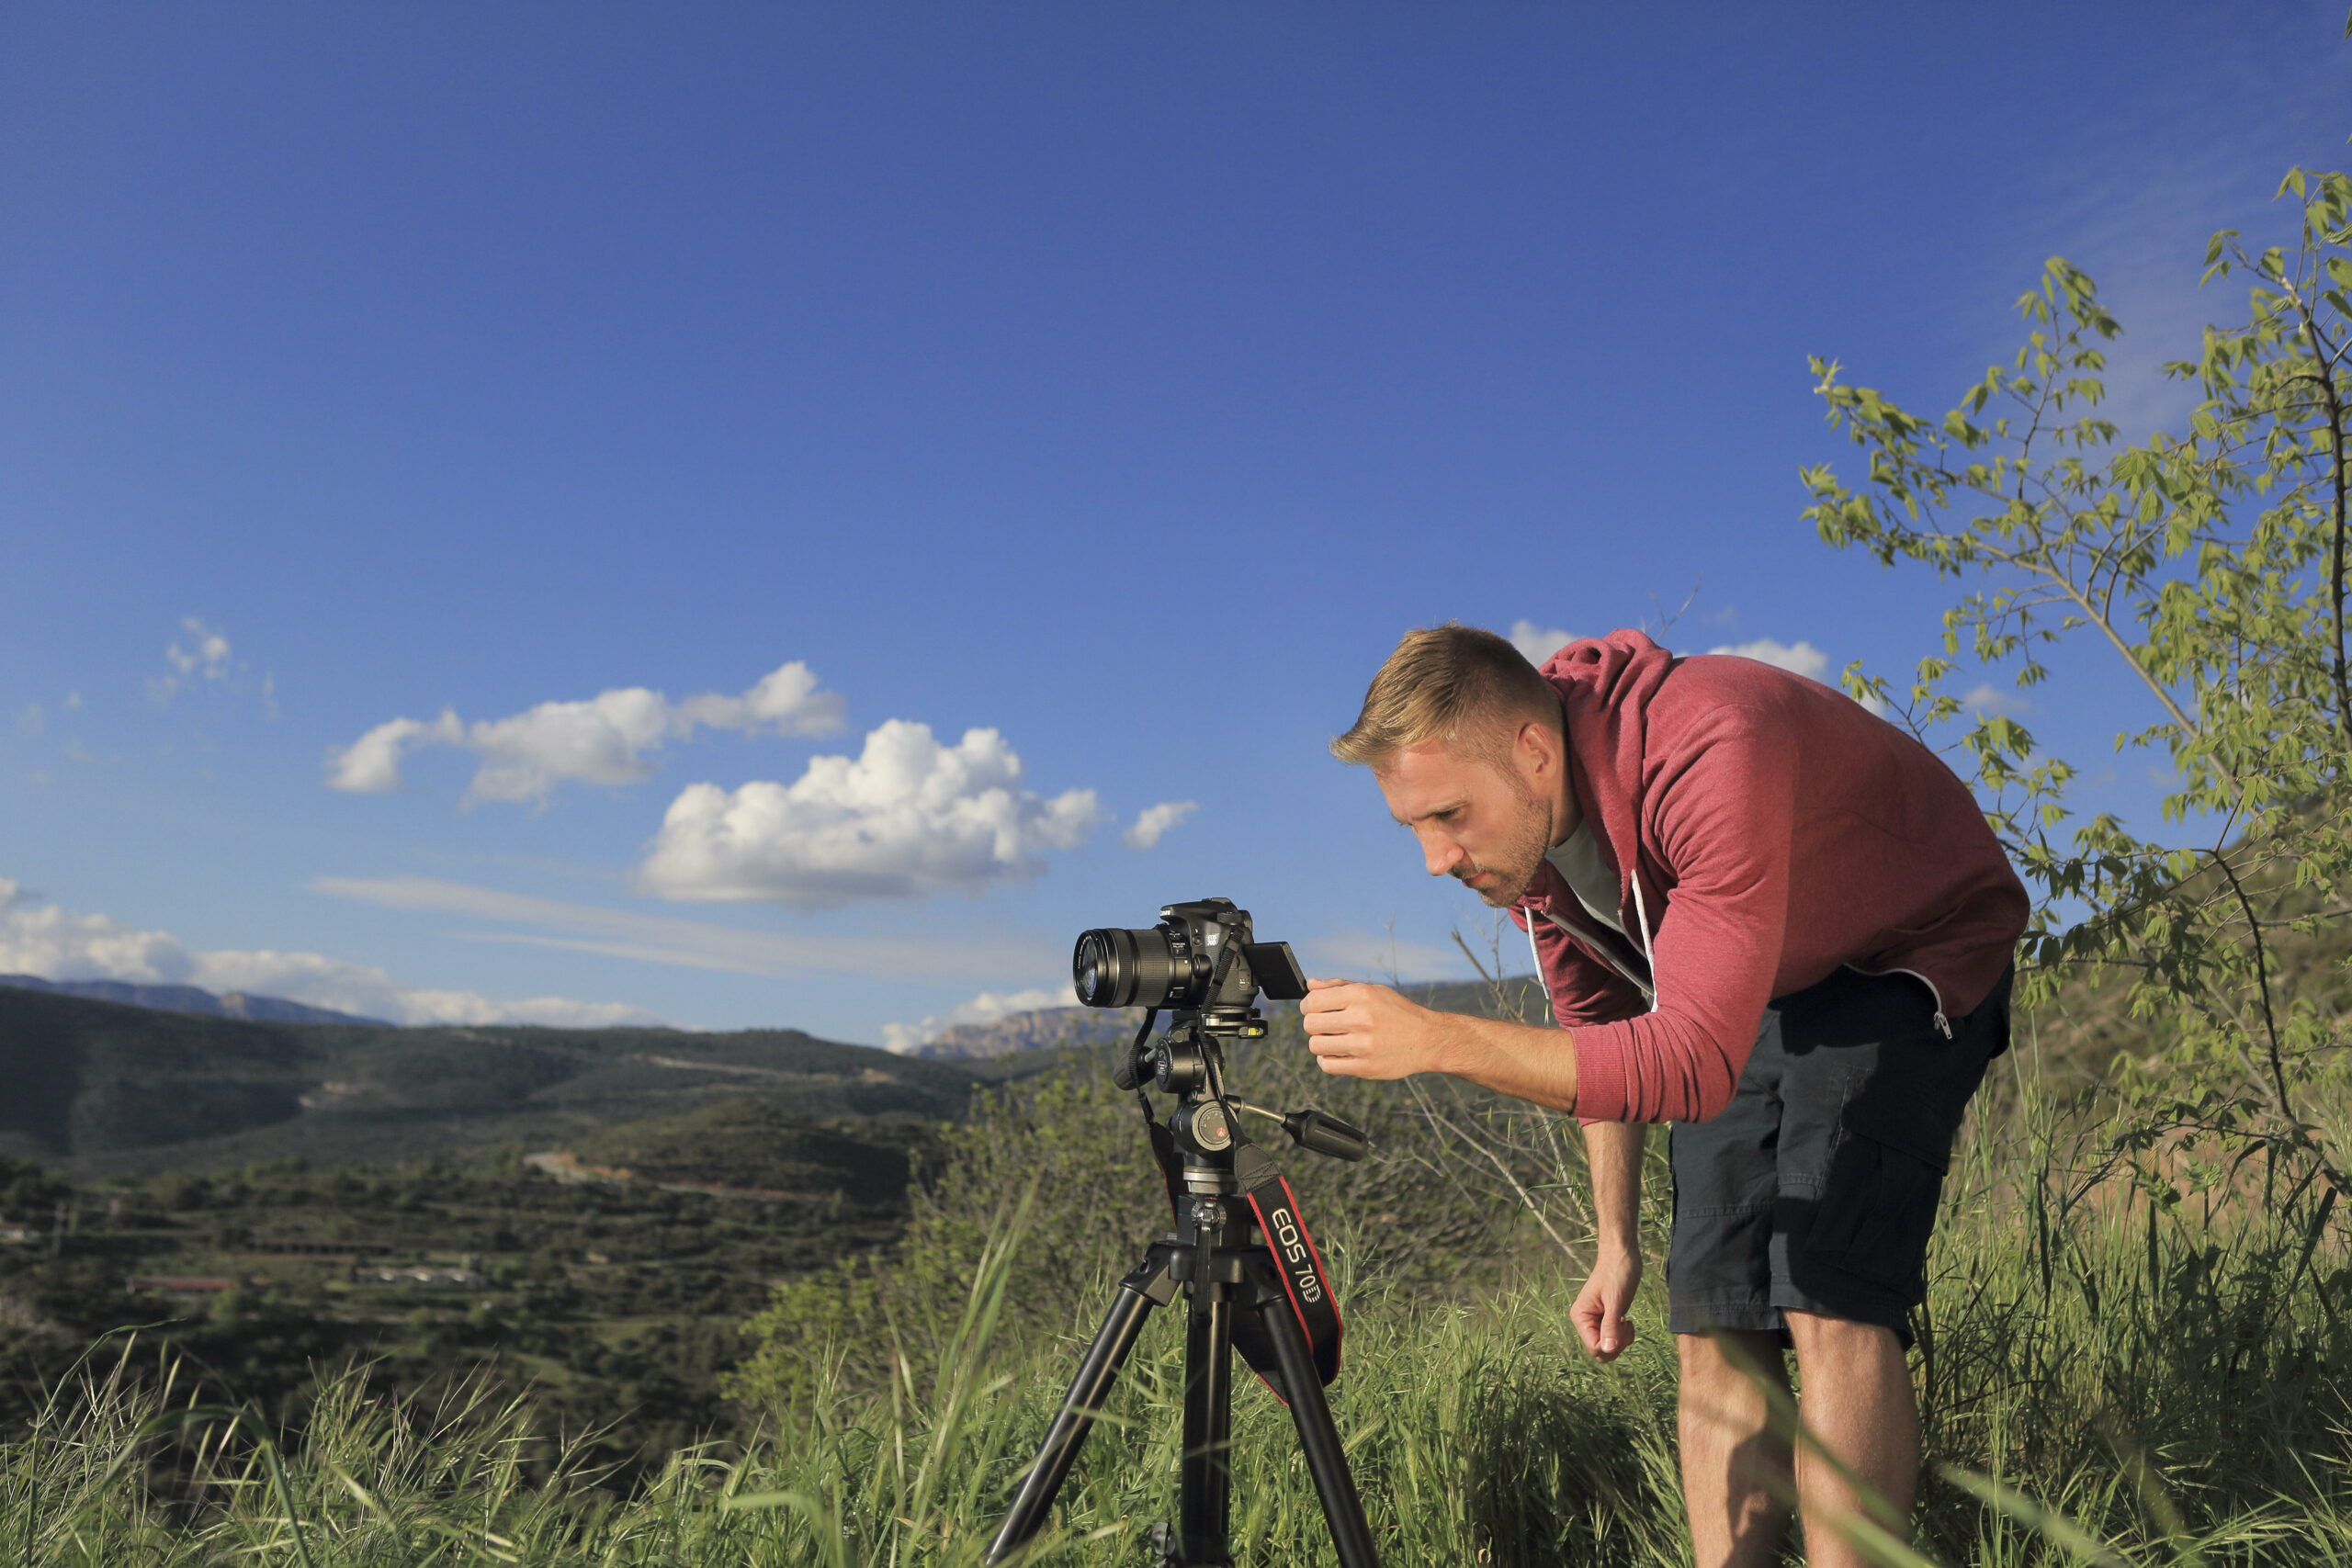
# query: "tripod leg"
{"points": [[1150, 1283], [1205, 1483], [1325, 1459]]}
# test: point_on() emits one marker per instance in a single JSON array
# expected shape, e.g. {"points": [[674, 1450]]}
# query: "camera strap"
{"points": [[1163, 1142], [1288, 1246], [1299, 1265]]}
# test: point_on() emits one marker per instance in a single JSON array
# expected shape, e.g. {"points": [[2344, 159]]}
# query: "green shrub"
{"points": [[1412, 1217]]}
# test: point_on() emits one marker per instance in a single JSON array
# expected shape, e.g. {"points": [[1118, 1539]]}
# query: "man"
{"points": [[1763, 915]]}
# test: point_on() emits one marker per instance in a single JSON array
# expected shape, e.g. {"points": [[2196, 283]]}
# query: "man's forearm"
{"points": [[1524, 1061], [1613, 1150]]}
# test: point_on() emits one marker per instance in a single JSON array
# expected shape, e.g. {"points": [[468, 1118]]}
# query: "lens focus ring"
{"points": [[1103, 968], [1117, 968]]}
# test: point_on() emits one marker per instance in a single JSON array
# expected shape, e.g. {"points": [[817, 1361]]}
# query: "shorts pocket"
{"points": [[1877, 1212]]}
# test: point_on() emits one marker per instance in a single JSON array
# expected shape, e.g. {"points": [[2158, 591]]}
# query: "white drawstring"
{"points": [[1642, 916], [1537, 954]]}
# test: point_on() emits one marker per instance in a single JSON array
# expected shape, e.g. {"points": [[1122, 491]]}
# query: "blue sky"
{"points": [[1121, 380]]}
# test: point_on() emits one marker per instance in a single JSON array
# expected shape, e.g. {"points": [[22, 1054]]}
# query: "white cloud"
{"points": [[905, 818], [1539, 643], [604, 739], [371, 764], [986, 1008], [1986, 697], [786, 701], [40, 939], [1155, 820], [205, 656], [2135, 212], [33, 720], [1798, 659], [966, 954]]}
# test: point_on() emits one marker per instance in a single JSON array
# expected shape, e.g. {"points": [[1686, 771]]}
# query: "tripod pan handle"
{"points": [[1324, 1134]]}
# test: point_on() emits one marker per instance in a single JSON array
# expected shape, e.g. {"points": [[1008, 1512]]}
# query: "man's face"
{"points": [[1485, 823]]}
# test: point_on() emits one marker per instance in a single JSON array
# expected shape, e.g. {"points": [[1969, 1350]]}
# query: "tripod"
{"points": [[1222, 1257]]}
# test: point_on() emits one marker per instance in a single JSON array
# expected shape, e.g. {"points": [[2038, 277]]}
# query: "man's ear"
{"points": [[1539, 744]]}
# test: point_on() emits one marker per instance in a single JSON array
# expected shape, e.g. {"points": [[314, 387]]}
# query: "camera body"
{"points": [[1202, 957]]}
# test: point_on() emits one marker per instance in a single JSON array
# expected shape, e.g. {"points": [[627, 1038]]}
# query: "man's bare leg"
{"points": [[1736, 1478], [1859, 1406]]}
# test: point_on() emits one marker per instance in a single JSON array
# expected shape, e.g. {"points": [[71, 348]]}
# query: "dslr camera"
{"points": [[1202, 955], [1203, 963]]}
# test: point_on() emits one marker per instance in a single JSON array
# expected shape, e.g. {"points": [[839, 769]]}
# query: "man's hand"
{"points": [[1361, 1031], [1602, 1306]]}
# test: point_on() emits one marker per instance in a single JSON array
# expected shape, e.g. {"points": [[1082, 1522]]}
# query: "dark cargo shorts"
{"points": [[1815, 1189]]}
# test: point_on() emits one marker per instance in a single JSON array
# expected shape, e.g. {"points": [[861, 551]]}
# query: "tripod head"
{"points": [[1202, 961]]}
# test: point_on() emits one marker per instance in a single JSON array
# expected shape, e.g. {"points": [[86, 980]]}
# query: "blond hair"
{"points": [[1453, 683]]}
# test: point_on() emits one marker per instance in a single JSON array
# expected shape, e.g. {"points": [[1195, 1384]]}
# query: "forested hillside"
{"points": [[608, 1276], [99, 1087]]}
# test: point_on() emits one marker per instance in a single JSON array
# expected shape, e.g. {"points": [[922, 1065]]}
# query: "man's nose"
{"points": [[1439, 855]]}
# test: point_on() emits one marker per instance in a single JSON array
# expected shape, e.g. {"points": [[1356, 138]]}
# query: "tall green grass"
{"points": [[2125, 1360]]}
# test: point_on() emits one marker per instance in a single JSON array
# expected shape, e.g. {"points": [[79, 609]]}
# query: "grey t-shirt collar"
{"points": [[1588, 875]]}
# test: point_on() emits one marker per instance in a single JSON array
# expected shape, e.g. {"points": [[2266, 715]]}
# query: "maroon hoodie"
{"points": [[1779, 830]]}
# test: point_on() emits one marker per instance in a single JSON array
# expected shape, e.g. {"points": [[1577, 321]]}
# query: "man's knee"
{"points": [[1731, 1355], [1814, 1336]]}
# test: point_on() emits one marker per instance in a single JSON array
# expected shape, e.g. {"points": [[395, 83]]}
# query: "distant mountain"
{"points": [[1043, 1029], [189, 999], [100, 1087]]}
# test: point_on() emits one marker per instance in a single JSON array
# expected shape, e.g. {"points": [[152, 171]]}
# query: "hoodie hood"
{"points": [[1605, 685]]}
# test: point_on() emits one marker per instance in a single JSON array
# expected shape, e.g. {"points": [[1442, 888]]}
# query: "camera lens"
{"points": [[1116, 968], [1096, 968]]}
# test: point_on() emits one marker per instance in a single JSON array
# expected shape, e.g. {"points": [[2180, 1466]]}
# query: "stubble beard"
{"points": [[1514, 871]]}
